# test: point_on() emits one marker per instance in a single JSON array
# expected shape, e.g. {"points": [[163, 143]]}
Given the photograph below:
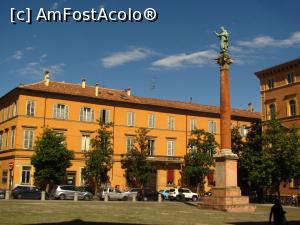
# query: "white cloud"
{"points": [[43, 58], [120, 58], [54, 5], [182, 60], [34, 70], [17, 55], [29, 48], [268, 41]]}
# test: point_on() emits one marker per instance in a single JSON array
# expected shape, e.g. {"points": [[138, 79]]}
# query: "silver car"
{"points": [[63, 192], [113, 194]]}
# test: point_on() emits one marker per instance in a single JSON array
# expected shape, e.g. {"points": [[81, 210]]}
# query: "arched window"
{"points": [[272, 111], [292, 105]]}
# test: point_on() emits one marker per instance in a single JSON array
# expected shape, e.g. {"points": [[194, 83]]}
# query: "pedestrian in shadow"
{"points": [[278, 214]]}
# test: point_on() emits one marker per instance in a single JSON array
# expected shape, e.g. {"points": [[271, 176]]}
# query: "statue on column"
{"points": [[224, 59], [224, 39]]}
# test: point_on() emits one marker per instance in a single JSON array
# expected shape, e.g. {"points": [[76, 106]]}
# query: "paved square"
{"points": [[21, 212]]}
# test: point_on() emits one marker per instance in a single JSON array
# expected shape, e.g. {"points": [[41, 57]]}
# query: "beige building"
{"points": [[280, 96]]}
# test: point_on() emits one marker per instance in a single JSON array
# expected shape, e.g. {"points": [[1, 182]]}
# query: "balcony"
{"points": [[170, 159]]}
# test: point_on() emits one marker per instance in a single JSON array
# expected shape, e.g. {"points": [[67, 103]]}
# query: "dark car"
{"points": [[28, 192], [147, 194], [2, 194]]}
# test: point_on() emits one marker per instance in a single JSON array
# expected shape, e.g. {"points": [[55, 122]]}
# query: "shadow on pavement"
{"points": [[80, 222], [263, 223]]}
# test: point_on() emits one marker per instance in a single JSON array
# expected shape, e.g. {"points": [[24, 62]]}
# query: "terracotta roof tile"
{"points": [[121, 96]]}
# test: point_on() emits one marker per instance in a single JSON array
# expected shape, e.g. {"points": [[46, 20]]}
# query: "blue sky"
{"points": [[171, 58]]}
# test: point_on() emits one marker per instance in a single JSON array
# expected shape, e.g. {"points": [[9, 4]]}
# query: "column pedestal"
{"points": [[226, 196]]}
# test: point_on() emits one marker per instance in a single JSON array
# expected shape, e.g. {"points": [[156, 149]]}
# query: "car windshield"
{"points": [[172, 190]]}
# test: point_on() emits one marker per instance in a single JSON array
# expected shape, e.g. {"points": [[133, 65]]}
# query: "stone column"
{"points": [[225, 108], [226, 195]]}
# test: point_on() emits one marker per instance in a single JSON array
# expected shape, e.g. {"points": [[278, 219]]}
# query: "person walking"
{"points": [[278, 214]]}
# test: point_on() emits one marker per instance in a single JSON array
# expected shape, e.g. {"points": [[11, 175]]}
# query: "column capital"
{"points": [[224, 61]]}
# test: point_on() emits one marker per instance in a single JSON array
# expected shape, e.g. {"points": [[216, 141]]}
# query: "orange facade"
{"points": [[280, 96], [74, 109]]}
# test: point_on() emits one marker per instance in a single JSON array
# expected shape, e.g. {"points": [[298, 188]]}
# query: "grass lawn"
{"points": [[125, 213]]}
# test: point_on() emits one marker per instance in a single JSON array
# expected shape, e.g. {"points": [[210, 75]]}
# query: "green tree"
{"points": [[251, 166], [138, 169], [98, 161], [281, 154], [199, 160], [51, 158], [237, 143]]}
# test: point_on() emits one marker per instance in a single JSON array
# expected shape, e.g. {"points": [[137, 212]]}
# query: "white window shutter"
{"points": [[107, 114]]}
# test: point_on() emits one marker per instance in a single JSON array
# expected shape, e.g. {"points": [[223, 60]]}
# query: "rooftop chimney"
{"points": [[46, 78], [128, 91], [97, 89], [250, 107], [83, 83]]}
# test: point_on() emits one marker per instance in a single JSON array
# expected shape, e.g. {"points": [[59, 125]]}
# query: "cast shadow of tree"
{"points": [[262, 223], [81, 222]]}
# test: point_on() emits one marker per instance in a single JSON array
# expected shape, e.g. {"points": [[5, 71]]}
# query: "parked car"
{"points": [[147, 194], [114, 194], [28, 192], [2, 193], [173, 192], [63, 192], [164, 194], [186, 194]]}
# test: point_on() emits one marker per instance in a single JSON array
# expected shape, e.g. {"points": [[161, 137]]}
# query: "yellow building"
{"points": [[73, 109]]}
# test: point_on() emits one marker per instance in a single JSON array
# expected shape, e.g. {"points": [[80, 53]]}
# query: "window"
{"points": [[60, 111], [85, 142], [290, 78], [26, 174], [86, 114], [243, 130], [13, 138], [4, 176], [104, 115], [212, 127], [28, 139], [193, 124], [130, 140], [171, 147], [272, 111], [151, 147], [270, 84], [1, 143], [151, 121], [30, 108], [130, 119], [82, 181], [5, 140], [170, 177], [171, 123], [295, 183], [292, 108]]}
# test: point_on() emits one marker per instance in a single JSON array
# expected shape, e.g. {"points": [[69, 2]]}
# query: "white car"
{"points": [[186, 194], [173, 193]]}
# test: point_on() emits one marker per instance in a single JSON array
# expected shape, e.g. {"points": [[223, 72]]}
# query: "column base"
{"points": [[227, 199]]}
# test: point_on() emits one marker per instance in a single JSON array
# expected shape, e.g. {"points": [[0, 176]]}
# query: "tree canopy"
{"points": [[138, 170], [51, 158], [99, 158], [198, 161]]}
